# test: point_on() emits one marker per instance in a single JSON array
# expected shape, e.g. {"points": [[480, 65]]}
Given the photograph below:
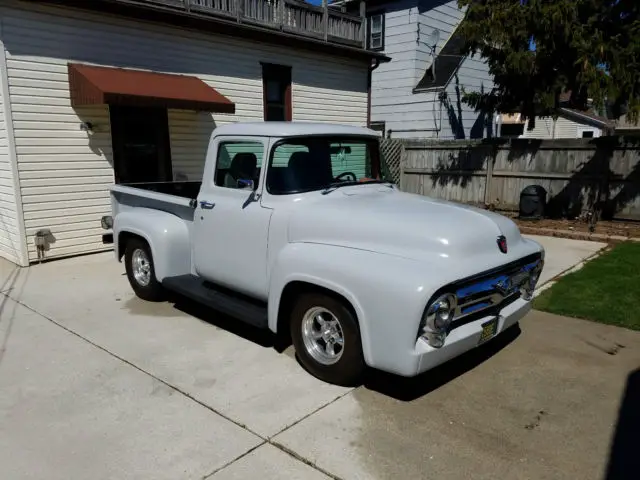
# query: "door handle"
{"points": [[207, 205]]}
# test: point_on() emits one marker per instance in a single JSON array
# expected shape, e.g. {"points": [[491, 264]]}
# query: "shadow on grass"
{"points": [[409, 389], [624, 455]]}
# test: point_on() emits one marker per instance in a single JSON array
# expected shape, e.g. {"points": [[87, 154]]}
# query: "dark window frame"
{"points": [[376, 13], [280, 74]]}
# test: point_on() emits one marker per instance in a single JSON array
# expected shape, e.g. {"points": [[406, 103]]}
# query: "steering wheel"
{"points": [[345, 174]]}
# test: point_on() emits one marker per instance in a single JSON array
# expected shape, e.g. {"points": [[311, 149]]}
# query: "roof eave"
{"points": [[587, 118]]}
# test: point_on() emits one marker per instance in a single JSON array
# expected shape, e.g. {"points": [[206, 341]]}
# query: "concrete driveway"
{"points": [[95, 383]]}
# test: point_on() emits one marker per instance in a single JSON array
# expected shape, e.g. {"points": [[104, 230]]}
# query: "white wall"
{"points": [[565, 128], [65, 173], [408, 26], [11, 241]]}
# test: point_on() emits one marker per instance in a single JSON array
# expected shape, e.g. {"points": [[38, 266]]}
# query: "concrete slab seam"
{"points": [[253, 449], [303, 418], [192, 398], [123, 360], [269, 441], [304, 460]]}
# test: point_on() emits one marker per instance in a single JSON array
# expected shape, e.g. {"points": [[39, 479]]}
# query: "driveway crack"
{"points": [[265, 440]]}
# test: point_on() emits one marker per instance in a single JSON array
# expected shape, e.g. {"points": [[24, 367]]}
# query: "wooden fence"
{"points": [[578, 175]]}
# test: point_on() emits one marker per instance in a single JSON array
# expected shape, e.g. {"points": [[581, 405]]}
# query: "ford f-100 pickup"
{"points": [[294, 229]]}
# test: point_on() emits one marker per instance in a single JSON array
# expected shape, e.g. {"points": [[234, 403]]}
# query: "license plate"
{"points": [[489, 329]]}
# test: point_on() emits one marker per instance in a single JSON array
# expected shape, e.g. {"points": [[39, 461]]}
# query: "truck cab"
{"points": [[294, 229]]}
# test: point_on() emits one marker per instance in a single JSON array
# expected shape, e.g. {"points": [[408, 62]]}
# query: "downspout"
{"points": [[371, 69]]}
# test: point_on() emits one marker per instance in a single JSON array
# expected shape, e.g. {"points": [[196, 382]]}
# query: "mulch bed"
{"points": [[605, 231]]}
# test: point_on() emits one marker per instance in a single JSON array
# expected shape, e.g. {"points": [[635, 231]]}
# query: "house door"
{"points": [[140, 140]]}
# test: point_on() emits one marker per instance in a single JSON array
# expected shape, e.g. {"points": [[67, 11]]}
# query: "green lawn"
{"points": [[605, 290]]}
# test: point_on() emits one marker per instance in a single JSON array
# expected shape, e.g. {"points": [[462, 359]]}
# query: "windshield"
{"points": [[305, 164]]}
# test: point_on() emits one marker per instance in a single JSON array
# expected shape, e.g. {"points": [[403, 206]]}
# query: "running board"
{"points": [[235, 305]]}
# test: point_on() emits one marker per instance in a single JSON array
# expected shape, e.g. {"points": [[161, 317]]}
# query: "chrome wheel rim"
{"points": [[322, 335], [141, 267]]}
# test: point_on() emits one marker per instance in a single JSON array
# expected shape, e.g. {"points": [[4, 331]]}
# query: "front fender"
{"points": [[388, 294], [167, 235]]}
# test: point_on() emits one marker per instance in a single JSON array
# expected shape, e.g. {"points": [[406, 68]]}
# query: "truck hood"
{"points": [[383, 219]]}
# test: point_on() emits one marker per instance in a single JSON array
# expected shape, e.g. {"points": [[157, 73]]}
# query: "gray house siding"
{"points": [[408, 114]]}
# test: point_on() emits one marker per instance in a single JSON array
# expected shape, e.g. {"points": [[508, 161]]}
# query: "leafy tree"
{"points": [[539, 49]]}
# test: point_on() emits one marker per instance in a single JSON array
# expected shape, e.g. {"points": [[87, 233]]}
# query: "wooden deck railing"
{"points": [[292, 16]]}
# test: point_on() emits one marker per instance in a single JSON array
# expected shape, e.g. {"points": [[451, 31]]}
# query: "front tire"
{"points": [[326, 337], [141, 273]]}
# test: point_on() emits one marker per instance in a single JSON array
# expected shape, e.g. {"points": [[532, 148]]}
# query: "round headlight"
{"points": [[440, 313]]}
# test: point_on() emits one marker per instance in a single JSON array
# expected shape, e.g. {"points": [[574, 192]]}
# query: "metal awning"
{"points": [[93, 85]]}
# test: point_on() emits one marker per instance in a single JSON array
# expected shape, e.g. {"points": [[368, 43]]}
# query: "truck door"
{"points": [[230, 224]]}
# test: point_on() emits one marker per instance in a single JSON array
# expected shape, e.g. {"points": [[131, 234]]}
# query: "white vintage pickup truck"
{"points": [[294, 229]]}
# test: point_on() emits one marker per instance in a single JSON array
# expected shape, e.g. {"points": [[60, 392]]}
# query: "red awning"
{"points": [[91, 85]]}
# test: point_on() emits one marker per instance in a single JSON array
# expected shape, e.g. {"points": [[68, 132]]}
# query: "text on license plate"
{"points": [[489, 329]]}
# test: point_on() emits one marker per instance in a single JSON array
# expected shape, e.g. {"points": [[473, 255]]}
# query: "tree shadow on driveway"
{"points": [[624, 455], [409, 389]]}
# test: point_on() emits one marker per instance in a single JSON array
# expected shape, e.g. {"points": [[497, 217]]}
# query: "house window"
{"points": [[375, 34], [587, 132], [140, 141], [276, 86]]}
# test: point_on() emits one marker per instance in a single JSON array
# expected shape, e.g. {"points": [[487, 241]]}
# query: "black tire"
{"points": [[349, 369], [151, 291]]}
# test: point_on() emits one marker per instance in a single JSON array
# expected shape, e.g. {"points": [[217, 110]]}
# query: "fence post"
{"points": [[325, 19], [402, 163], [487, 183]]}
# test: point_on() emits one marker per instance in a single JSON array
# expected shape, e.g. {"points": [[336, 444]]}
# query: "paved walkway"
{"points": [[95, 383]]}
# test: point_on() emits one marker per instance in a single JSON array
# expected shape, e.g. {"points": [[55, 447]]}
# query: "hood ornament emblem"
{"points": [[502, 243]]}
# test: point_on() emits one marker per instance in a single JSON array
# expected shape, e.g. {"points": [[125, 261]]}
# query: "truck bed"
{"points": [[177, 198], [179, 189]]}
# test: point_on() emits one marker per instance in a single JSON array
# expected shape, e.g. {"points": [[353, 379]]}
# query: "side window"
{"points": [[238, 164]]}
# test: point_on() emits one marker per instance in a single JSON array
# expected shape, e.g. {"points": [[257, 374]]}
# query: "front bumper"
{"points": [[467, 336]]}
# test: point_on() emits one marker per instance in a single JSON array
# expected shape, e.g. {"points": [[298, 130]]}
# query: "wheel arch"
{"points": [[166, 234], [292, 290]]}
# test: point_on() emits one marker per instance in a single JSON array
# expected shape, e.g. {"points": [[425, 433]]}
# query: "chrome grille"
{"points": [[492, 289]]}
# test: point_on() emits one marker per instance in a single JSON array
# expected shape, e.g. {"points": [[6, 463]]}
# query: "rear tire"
{"points": [[141, 273], [327, 340]]}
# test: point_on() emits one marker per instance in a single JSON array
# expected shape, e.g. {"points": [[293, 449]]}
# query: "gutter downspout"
{"points": [[371, 69]]}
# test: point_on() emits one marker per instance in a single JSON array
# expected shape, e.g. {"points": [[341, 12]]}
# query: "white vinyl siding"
{"points": [[409, 25], [65, 172], [11, 242], [565, 128]]}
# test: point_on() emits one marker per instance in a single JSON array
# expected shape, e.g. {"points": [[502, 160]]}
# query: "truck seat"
{"points": [[243, 167], [308, 172]]}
